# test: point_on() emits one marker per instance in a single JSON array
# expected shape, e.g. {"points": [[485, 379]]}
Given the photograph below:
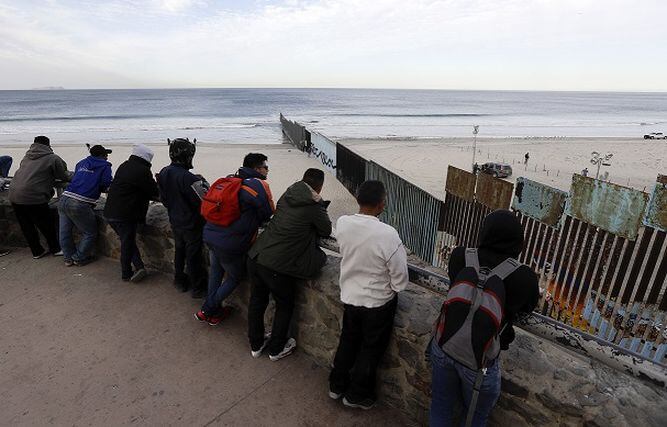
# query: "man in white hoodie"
{"points": [[372, 271]]}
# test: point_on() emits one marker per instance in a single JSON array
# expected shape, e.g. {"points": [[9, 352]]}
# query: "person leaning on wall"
{"points": [[132, 189], [30, 192]]}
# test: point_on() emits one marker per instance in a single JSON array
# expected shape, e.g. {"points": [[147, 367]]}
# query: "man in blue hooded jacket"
{"points": [[228, 245], [91, 177]]}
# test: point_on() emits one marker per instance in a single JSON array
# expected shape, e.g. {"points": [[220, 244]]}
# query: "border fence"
{"points": [[600, 250]]}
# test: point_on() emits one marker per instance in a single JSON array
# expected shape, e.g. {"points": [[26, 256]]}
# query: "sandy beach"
{"points": [[636, 162], [286, 164]]}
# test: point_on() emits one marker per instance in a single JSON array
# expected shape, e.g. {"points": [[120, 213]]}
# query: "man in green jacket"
{"points": [[284, 253]]}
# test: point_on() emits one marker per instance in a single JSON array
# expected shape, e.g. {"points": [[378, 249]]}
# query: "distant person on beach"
{"points": [[229, 244], [132, 188], [465, 347], [584, 172], [5, 165], [92, 176], [525, 158], [180, 193], [285, 253], [30, 192], [373, 270]]}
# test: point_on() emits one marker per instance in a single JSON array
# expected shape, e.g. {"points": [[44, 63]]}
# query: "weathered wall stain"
{"points": [[492, 192], [539, 201], [656, 214], [611, 207], [460, 183]]}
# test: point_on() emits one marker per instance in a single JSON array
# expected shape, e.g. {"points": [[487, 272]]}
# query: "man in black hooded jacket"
{"points": [[501, 237]]}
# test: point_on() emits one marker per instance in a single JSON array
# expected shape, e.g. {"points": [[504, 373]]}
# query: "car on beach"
{"points": [[655, 135], [498, 170]]}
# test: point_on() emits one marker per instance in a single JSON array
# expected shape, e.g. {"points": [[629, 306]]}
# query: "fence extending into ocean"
{"points": [[599, 249]]}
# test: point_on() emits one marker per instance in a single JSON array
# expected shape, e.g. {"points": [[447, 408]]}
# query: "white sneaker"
{"points": [[59, 253], [139, 275], [289, 348], [256, 353]]}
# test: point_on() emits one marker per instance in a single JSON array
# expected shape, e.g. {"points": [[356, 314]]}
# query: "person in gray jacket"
{"points": [[30, 192]]}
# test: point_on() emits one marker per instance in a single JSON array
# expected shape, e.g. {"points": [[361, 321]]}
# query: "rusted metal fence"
{"points": [[405, 203], [600, 250]]}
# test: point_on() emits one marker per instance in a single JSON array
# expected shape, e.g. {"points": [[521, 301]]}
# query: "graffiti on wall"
{"points": [[324, 150]]}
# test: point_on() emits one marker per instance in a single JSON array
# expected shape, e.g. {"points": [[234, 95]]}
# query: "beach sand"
{"points": [[636, 162], [286, 166]]}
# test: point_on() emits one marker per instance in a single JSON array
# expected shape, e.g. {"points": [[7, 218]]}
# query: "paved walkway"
{"points": [[81, 347]]}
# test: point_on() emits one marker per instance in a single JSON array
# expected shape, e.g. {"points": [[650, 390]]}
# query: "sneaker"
{"points": [[289, 348], [42, 255], [59, 253], [256, 353], [82, 262], [4, 252], [334, 393], [139, 275], [362, 404], [69, 263], [211, 320]]}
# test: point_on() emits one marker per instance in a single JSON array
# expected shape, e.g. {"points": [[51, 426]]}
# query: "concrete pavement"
{"points": [[81, 347]]}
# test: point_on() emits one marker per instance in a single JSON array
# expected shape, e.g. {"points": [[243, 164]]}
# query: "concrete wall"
{"points": [[543, 383]]}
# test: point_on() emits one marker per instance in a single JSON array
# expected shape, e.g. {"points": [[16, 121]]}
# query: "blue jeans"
{"points": [[218, 290], [74, 213], [452, 383], [5, 164]]}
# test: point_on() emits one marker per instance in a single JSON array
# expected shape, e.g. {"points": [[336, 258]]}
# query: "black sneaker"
{"points": [[139, 275], [364, 404], [334, 393], [42, 255], [4, 251]]}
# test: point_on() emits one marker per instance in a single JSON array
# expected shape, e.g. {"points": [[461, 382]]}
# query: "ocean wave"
{"points": [[74, 118], [412, 115]]}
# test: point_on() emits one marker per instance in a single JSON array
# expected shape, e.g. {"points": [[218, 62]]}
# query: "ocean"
{"points": [[232, 116]]}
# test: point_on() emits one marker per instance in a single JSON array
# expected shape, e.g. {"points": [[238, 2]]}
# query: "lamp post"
{"points": [[475, 131], [600, 160]]}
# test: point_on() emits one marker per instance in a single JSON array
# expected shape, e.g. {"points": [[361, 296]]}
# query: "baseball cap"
{"points": [[99, 151]]}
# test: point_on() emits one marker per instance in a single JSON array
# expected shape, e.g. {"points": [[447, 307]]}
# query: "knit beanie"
{"points": [[142, 151]]}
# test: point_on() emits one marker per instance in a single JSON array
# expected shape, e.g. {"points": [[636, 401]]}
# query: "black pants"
{"points": [[267, 282], [188, 257], [37, 217], [363, 341], [129, 252]]}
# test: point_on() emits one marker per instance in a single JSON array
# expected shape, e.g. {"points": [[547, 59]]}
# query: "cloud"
{"points": [[503, 44]]}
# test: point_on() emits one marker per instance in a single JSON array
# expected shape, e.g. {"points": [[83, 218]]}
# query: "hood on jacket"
{"points": [[300, 194], [37, 151], [143, 152], [93, 162], [502, 233], [245, 173]]}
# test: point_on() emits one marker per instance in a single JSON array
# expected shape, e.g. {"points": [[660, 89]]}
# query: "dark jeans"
{"points": [[129, 252], [267, 282], [5, 165], [363, 341], [452, 384], [37, 217], [221, 263], [188, 257]]}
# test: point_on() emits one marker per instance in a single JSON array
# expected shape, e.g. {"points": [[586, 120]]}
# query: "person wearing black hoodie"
{"points": [[180, 193], [30, 192], [126, 207], [501, 237]]}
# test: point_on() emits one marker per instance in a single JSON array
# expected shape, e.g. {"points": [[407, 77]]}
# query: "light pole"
{"points": [[600, 160], [475, 131]]}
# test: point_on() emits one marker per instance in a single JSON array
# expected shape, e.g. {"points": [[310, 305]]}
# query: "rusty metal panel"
{"points": [[538, 201], [656, 214], [493, 193], [611, 207], [460, 183]]}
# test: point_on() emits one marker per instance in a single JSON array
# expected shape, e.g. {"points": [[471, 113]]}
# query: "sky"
{"points": [[615, 45]]}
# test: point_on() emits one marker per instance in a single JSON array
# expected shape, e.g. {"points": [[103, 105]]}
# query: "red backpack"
{"points": [[220, 204]]}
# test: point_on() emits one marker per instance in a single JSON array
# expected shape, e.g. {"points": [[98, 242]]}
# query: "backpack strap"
{"points": [[505, 268], [472, 260]]}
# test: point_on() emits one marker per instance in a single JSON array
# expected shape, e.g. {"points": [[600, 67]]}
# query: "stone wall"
{"points": [[543, 383]]}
